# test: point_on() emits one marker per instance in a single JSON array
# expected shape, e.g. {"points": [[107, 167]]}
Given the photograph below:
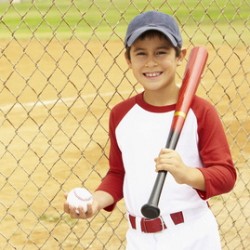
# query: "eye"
{"points": [[140, 53], [161, 52]]}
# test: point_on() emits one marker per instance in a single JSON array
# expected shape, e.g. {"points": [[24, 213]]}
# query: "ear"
{"points": [[181, 56], [128, 60]]}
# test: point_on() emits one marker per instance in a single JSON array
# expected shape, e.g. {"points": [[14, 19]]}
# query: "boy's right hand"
{"points": [[79, 213]]}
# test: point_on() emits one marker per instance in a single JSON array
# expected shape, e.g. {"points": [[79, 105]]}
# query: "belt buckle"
{"points": [[152, 225]]}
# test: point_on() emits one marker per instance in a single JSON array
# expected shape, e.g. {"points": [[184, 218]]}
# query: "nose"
{"points": [[151, 62]]}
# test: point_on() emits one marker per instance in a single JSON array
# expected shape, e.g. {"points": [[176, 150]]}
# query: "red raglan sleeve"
{"points": [[112, 183], [218, 168]]}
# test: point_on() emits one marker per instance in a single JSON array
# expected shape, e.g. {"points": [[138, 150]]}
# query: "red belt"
{"points": [[155, 225]]}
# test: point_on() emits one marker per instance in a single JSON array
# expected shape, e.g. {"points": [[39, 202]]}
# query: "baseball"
{"points": [[79, 197]]}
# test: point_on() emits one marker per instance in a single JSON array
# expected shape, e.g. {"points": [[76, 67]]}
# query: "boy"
{"points": [[199, 168]]}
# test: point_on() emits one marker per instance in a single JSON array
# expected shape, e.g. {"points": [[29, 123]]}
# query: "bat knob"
{"points": [[150, 211]]}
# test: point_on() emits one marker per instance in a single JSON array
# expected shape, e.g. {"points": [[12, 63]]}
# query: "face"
{"points": [[153, 62]]}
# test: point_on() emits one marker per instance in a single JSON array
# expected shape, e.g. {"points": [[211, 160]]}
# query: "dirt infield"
{"points": [[55, 104]]}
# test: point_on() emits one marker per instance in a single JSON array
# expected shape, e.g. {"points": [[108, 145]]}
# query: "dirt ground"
{"points": [[55, 99]]}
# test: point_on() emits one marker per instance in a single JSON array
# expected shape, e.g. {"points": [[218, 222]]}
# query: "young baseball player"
{"points": [[200, 167]]}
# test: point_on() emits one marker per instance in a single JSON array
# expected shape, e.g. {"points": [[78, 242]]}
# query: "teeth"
{"points": [[153, 74]]}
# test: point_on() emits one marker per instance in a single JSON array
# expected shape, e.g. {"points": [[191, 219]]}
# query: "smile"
{"points": [[152, 74]]}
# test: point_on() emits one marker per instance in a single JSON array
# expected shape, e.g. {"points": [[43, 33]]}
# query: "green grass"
{"points": [[43, 19]]}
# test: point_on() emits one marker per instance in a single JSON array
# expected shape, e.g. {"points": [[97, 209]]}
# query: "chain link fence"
{"points": [[62, 69]]}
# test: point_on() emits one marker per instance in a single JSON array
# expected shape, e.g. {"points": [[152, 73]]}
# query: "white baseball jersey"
{"points": [[138, 131]]}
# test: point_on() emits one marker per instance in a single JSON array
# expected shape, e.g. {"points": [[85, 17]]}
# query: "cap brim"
{"points": [[140, 31]]}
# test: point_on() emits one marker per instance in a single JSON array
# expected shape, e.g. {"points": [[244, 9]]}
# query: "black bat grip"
{"points": [[151, 210]]}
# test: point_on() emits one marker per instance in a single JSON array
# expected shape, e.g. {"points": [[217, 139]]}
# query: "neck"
{"points": [[161, 98]]}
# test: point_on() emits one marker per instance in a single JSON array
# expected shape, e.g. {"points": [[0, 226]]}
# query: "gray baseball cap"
{"points": [[153, 20]]}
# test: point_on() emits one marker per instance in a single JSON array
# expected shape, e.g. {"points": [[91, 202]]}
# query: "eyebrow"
{"points": [[158, 48]]}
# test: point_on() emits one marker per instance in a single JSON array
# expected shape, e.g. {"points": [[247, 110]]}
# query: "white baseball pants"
{"points": [[200, 233]]}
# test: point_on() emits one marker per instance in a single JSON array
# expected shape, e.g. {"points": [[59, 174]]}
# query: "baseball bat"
{"points": [[194, 68]]}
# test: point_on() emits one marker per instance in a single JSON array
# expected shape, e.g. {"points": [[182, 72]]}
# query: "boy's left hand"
{"points": [[170, 160]]}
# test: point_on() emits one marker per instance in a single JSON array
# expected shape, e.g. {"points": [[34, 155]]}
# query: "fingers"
{"points": [[77, 212], [165, 155], [167, 160], [167, 152]]}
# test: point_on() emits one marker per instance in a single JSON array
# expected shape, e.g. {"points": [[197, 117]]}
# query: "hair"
{"points": [[151, 34]]}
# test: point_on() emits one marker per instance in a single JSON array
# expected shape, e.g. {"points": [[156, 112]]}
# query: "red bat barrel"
{"points": [[194, 68]]}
